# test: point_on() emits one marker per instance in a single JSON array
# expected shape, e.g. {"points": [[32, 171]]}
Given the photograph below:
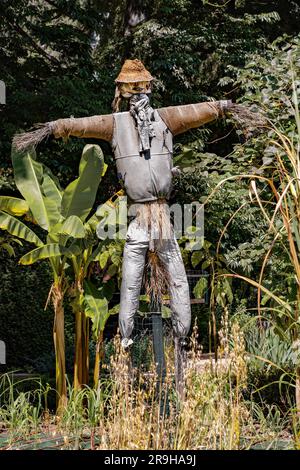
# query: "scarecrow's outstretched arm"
{"points": [[98, 127], [182, 118]]}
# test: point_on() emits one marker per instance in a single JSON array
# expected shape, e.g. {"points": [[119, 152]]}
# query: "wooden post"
{"points": [[180, 359], [159, 357]]}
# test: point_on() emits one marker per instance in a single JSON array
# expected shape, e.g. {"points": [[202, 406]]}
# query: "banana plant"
{"points": [[84, 305], [61, 213]]}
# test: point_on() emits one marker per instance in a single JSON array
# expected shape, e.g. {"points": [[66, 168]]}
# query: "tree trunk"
{"points": [[81, 363], [59, 345], [98, 359], [134, 14], [78, 351], [85, 349]]}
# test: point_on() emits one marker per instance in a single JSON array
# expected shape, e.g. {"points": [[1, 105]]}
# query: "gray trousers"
{"points": [[136, 246]]}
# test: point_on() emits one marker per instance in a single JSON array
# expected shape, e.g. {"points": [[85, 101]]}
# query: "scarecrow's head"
{"points": [[133, 79]]}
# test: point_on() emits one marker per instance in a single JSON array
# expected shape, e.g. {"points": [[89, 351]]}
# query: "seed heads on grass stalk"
{"points": [[126, 413]]}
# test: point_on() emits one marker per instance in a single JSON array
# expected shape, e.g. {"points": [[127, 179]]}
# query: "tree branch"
{"points": [[35, 46]]}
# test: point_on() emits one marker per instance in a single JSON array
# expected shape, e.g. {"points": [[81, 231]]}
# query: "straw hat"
{"points": [[133, 71]]}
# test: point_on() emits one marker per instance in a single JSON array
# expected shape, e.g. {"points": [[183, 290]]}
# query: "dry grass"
{"points": [[125, 412], [281, 212], [212, 415], [249, 121]]}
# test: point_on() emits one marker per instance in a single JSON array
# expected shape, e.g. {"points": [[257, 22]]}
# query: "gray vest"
{"points": [[144, 179]]}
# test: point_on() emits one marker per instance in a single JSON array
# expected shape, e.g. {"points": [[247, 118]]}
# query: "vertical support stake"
{"points": [[159, 358], [180, 359]]}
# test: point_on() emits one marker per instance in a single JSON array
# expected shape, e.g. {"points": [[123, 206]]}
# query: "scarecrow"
{"points": [[142, 143]]}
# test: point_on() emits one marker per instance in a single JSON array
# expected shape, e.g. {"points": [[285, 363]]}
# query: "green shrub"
{"points": [[25, 327]]}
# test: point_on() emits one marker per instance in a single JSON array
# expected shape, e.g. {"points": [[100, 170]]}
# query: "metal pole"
{"points": [[159, 356]]}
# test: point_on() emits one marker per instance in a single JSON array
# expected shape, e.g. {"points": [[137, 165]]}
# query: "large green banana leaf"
{"points": [[13, 205], [104, 211], [92, 222], [54, 178], [63, 230], [29, 175], [17, 228], [51, 250], [73, 227], [79, 196], [51, 191], [94, 254], [54, 235], [112, 218], [95, 307]]}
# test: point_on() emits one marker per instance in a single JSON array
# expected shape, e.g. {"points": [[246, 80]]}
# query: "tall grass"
{"points": [[281, 211], [126, 413]]}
